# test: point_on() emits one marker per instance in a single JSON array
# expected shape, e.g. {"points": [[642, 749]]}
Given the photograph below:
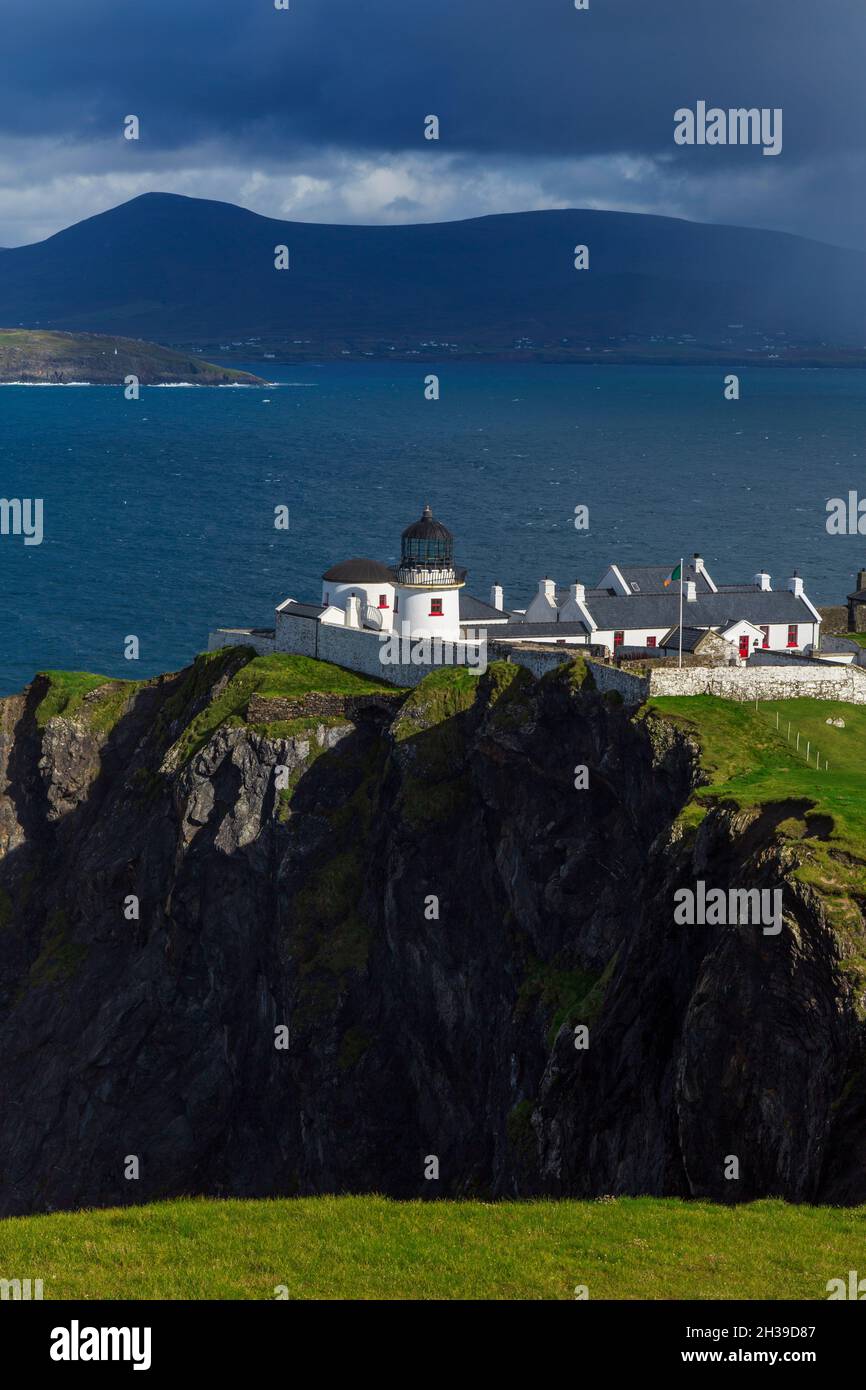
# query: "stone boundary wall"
{"points": [[633, 688], [835, 619], [816, 681], [539, 659], [838, 644], [262, 639], [267, 709], [357, 650]]}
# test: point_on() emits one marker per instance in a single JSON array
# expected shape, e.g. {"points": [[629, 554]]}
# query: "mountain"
{"points": [[57, 358], [184, 270], [310, 982]]}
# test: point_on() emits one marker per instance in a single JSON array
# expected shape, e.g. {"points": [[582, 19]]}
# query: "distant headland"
{"points": [[32, 357]]}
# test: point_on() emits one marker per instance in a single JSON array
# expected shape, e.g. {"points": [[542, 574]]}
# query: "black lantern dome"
{"points": [[427, 543]]}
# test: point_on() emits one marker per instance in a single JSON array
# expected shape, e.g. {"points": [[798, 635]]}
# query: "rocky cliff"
{"points": [[420, 901]]}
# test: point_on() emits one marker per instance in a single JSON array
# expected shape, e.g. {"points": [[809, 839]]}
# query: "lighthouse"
{"points": [[427, 590]]}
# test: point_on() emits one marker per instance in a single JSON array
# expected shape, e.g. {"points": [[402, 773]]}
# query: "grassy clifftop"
{"points": [[53, 358], [749, 762]]}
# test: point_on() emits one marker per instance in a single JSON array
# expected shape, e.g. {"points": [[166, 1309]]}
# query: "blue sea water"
{"points": [[159, 513]]}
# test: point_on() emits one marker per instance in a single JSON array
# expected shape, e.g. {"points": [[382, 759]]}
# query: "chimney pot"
{"points": [[795, 584]]}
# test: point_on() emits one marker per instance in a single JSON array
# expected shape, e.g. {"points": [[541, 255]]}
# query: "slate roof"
{"points": [[514, 629], [650, 579], [359, 571], [474, 610], [708, 610], [859, 597], [563, 594], [303, 610], [691, 638]]}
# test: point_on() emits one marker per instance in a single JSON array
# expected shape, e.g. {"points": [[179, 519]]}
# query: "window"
{"points": [[327, 599], [618, 639], [435, 608], [792, 634], [650, 641], [766, 632], [396, 602], [383, 600]]}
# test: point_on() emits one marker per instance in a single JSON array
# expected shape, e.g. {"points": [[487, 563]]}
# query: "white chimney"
{"points": [[547, 589], [353, 611], [691, 591], [795, 584], [762, 580], [497, 598], [578, 592], [698, 563]]}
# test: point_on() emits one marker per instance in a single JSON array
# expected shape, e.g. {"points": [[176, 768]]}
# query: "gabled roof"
{"points": [[859, 597], [302, 610], [650, 579], [707, 610], [692, 638], [473, 610]]}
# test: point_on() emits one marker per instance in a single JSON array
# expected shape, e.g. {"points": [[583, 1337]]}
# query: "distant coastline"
{"points": [[42, 357], [156, 385]]}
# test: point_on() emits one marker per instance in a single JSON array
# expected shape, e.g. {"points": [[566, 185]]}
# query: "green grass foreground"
{"points": [[370, 1247]]}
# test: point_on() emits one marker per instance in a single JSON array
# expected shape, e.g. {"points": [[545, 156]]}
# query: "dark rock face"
{"points": [[431, 908], [267, 708]]}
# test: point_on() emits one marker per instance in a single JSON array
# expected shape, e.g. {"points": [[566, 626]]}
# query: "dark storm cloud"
{"points": [[511, 80], [521, 76]]}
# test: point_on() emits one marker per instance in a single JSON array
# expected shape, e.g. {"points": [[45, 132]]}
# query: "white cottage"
{"points": [[631, 606]]}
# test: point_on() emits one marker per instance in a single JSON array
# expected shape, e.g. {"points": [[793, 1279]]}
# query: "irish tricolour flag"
{"points": [[676, 573]]}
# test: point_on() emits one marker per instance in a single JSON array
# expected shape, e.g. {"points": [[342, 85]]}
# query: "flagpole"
{"points": [[681, 613]]}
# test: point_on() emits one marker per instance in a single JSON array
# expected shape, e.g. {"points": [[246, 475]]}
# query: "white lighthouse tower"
{"points": [[427, 590]]}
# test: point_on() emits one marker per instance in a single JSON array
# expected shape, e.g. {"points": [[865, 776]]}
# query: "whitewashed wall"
{"points": [[846, 683]]}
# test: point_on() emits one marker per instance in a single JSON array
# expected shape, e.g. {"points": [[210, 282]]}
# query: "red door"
{"points": [[744, 645]]}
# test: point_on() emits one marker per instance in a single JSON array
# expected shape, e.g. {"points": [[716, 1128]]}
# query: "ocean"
{"points": [[159, 514]]}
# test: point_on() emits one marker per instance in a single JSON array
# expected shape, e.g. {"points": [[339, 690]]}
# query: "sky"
{"points": [[316, 113]]}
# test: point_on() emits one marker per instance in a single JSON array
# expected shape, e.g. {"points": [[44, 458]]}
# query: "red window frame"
{"points": [[618, 639], [766, 632], [793, 641], [383, 601], [436, 608], [651, 641]]}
